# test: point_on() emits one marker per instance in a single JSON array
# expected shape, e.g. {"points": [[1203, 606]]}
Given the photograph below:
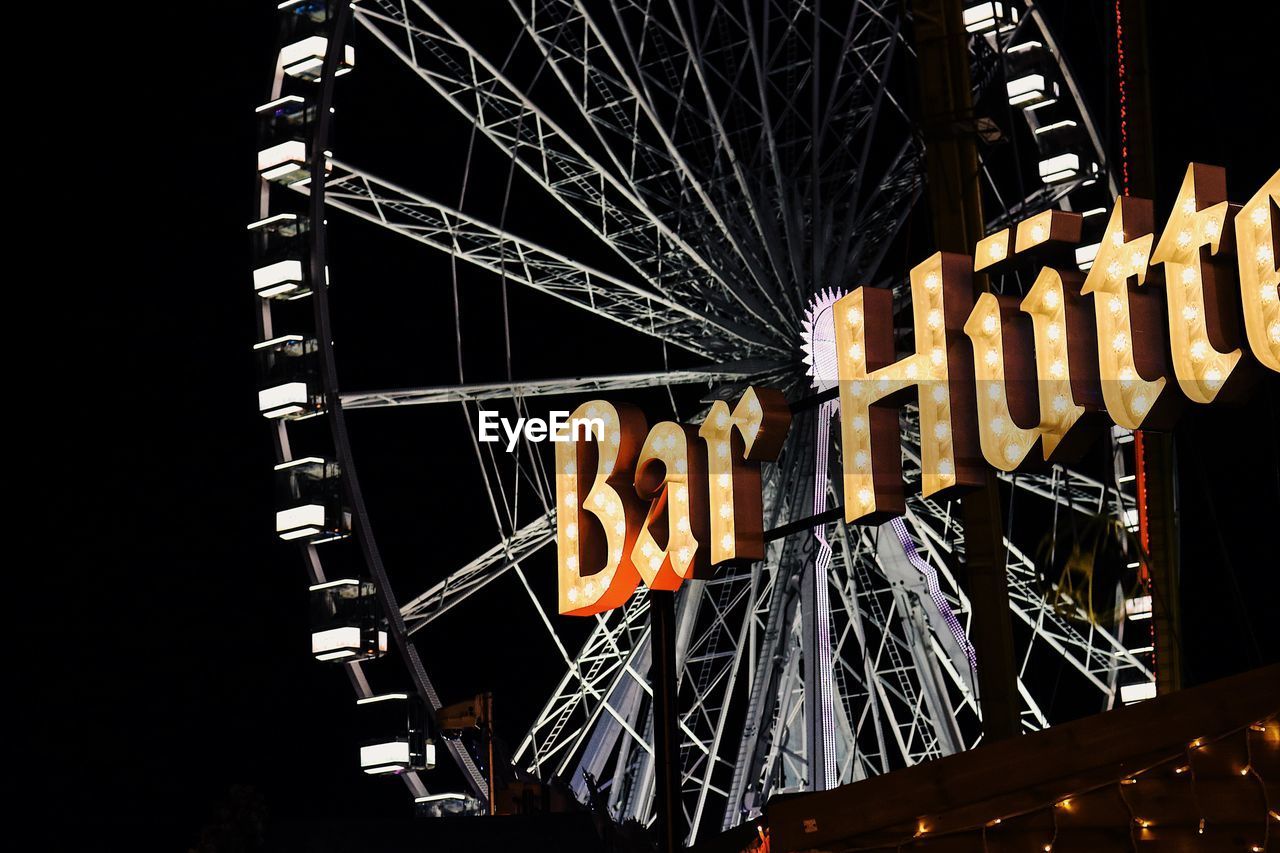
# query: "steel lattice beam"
{"points": [[481, 392], [480, 572], [504, 254], [595, 195]]}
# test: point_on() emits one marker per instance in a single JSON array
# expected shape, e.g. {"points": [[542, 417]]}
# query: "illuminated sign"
{"points": [[1000, 381]]}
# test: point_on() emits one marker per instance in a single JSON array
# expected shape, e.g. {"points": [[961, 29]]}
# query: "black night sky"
{"points": [[172, 625]]}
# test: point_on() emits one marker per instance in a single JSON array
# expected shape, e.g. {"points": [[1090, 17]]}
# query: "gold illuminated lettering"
{"points": [[1004, 443], [1129, 323], [1200, 293], [737, 442], [1066, 362], [873, 386], [1257, 229], [670, 474]]}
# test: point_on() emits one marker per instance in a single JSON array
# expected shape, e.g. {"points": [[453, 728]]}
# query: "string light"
{"points": [[1122, 79]]}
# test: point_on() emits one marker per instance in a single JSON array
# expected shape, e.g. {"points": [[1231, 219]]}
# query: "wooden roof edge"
{"points": [[1113, 742]]}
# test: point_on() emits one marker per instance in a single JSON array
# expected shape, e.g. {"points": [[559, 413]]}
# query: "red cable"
{"points": [[1139, 456]]}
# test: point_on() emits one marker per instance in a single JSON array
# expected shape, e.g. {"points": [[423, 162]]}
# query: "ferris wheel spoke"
{"points": [[479, 392], [1095, 654], [600, 701], [620, 114], [907, 693], [669, 61], [847, 590], [419, 611], [885, 212], [711, 668], [1074, 490], [598, 198], [469, 239]]}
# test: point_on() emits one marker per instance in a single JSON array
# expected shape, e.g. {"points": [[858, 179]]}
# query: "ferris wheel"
{"points": [[725, 165]]}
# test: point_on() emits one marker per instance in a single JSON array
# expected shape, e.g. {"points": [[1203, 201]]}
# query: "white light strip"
{"points": [[277, 273], [286, 153], [283, 339], [1085, 255], [1130, 693], [1024, 47], [982, 17], [308, 49], [301, 461], [307, 515], [345, 653], [1030, 84], [268, 292], [1062, 165], [1138, 604], [326, 585], [279, 217], [435, 798], [281, 171], [385, 696], [288, 394], [347, 637], [278, 101], [1057, 125]]}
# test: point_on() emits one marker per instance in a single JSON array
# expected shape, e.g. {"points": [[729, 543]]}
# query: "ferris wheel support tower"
{"points": [[955, 204]]}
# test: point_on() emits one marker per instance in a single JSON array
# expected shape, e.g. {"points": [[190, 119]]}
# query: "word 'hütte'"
{"points": [[993, 377]]}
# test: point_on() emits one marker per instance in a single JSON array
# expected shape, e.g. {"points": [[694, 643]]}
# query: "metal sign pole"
{"points": [[665, 728]]}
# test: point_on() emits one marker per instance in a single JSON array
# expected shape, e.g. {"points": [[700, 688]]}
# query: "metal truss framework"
{"points": [[523, 262], [737, 157], [605, 204], [739, 372], [905, 698]]}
